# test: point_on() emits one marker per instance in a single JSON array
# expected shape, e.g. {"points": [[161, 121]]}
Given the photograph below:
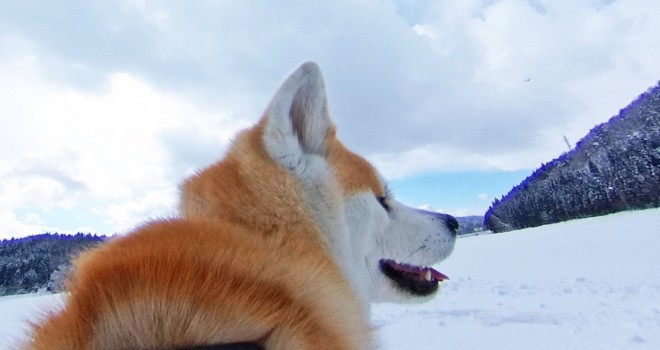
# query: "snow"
{"points": [[583, 284], [17, 311]]}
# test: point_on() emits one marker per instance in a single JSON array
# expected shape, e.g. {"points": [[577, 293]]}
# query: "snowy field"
{"points": [[585, 284]]}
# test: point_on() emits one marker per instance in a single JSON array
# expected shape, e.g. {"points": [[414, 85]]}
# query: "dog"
{"points": [[282, 244]]}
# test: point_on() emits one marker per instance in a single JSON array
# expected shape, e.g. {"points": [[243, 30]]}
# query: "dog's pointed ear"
{"points": [[298, 121]]}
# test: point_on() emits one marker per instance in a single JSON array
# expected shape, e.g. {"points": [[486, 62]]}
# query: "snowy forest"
{"points": [[39, 262], [615, 167]]}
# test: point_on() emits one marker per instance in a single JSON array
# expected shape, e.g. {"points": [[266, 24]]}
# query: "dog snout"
{"points": [[448, 220]]}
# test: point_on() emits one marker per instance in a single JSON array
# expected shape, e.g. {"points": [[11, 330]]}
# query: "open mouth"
{"points": [[417, 280]]}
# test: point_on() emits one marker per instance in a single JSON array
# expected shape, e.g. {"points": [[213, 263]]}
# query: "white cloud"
{"points": [[30, 224], [426, 207], [522, 75], [126, 215], [443, 158], [73, 149], [104, 102]]}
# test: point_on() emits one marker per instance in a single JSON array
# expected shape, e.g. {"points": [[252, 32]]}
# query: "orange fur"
{"points": [[180, 283], [354, 173], [272, 193], [247, 188], [245, 262]]}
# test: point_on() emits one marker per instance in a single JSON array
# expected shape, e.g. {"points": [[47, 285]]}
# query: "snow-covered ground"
{"points": [[584, 284]]}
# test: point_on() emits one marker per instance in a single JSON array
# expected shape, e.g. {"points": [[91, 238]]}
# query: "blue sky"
{"points": [[461, 193], [108, 105]]}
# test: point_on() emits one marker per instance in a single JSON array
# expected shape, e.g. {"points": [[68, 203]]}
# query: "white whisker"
{"points": [[413, 253]]}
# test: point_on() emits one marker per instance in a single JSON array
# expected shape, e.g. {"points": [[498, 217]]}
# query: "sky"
{"points": [[106, 106]]}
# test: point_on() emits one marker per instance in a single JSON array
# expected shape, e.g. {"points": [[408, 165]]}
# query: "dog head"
{"points": [[290, 173]]}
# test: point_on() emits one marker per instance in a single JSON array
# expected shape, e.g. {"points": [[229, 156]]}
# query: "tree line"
{"points": [[615, 167], [32, 263]]}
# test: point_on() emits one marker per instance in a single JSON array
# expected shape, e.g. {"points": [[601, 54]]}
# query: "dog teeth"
{"points": [[427, 275]]}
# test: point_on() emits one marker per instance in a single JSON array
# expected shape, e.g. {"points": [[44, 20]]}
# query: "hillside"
{"points": [[580, 284], [27, 264], [615, 167]]}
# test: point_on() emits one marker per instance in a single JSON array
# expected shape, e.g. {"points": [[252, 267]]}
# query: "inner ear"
{"points": [[298, 116], [310, 120]]}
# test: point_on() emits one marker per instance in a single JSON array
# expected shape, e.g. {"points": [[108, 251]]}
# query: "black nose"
{"points": [[452, 223]]}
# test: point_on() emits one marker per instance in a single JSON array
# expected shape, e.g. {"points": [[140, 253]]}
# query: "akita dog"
{"points": [[283, 243]]}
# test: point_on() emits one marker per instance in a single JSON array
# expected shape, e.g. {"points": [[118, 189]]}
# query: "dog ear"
{"points": [[298, 120]]}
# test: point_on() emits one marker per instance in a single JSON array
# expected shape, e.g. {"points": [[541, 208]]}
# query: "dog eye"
{"points": [[383, 202]]}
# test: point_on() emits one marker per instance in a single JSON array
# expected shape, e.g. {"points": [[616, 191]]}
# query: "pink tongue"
{"points": [[438, 275], [421, 271]]}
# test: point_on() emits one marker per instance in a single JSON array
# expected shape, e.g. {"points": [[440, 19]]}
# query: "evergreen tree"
{"points": [[615, 167]]}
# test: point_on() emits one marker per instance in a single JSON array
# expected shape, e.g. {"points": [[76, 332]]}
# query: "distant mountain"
{"points": [[470, 224], [38, 262], [615, 167]]}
